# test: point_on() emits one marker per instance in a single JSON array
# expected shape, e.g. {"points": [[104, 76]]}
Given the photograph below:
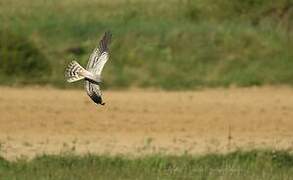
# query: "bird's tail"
{"points": [[74, 72]]}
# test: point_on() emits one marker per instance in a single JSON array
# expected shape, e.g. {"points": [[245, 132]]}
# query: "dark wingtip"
{"points": [[108, 36], [105, 41], [108, 33]]}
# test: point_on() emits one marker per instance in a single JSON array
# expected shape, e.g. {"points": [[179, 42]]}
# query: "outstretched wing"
{"points": [[93, 58], [100, 55], [94, 92]]}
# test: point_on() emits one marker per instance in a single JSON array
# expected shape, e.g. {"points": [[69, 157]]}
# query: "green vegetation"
{"points": [[179, 44], [21, 61], [259, 165]]}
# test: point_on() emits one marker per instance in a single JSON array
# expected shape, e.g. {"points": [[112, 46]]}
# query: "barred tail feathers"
{"points": [[74, 72]]}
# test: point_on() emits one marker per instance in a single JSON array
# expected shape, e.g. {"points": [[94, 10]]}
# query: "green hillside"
{"points": [[175, 44]]}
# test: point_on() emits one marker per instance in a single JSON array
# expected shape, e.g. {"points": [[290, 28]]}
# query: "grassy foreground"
{"points": [[237, 165], [179, 44]]}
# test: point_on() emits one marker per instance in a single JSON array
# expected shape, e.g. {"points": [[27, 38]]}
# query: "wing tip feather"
{"points": [[106, 40]]}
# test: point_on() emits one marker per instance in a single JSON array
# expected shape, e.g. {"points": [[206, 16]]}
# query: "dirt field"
{"points": [[44, 120]]}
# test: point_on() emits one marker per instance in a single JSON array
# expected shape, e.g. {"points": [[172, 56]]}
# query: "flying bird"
{"points": [[92, 74]]}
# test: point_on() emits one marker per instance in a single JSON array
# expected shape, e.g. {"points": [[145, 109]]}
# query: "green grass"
{"points": [[174, 45], [259, 164]]}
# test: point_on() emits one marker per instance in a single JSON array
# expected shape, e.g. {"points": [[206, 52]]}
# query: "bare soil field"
{"points": [[34, 121]]}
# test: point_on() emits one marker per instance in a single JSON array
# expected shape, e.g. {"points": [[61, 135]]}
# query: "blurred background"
{"points": [[184, 76], [171, 45]]}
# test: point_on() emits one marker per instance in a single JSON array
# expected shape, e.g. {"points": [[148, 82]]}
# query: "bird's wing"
{"points": [[93, 58], [94, 92], [98, 68], [100, 55]]}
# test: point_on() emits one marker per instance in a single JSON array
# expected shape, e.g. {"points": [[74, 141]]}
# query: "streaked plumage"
{"points": [[74, 71], [92, 74]]}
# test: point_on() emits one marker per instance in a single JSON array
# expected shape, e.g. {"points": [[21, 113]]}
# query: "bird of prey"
{"points": [[92, 74]]}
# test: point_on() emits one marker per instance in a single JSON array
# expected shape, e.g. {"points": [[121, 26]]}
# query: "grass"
{"points": [[256, 164], [174, 45]]}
